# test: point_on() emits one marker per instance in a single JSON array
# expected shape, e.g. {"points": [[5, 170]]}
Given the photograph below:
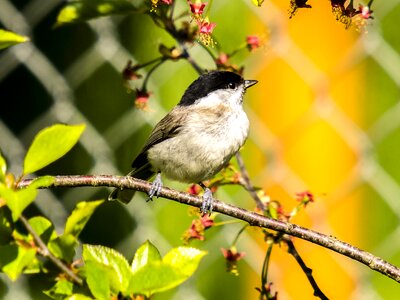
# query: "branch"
{"points": [[47, 253], [186, 55], [292, 250], [247, 183], [254, 219]]}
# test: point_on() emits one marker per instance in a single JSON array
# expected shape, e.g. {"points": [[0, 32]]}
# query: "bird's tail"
{"points": [[126, 195]]}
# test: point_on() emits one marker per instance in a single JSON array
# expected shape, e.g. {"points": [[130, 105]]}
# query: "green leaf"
{"points": [[145, 254], [14, 259], [83, 10], [177, 266], [43, 227], [8, 38], [98, 279], [184, 259], [78, 297], [151, 274], [3, 168], [50, 144], [35, 267], [63, 247], [62, 289], [79, 217], [18, 200], [257, 2], [108, 257], [6, 227], [42, 182], [154, 278]]}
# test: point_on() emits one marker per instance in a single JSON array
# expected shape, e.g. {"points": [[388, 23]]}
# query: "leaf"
{"points": [[257, 2], [8, 38], [3, 168], [83, 10], [154, 278], [18, 200], [63, 247], [184, 259], [177, 266], [108, 257], [13, 259], [78, 297], [61, 289], [44, 228], [80, 216], [50, 144], [97, 278], [42, 182], [145, 254], [35, 267], [5, 226], [151, 274]]}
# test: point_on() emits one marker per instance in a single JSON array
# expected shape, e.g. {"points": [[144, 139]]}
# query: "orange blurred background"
{"points": [[308, 84]]}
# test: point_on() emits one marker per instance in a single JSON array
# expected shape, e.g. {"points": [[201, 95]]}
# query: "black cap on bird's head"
{"points": [[212, 81]]}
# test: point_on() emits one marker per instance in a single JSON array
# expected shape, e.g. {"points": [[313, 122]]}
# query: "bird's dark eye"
{"points": [[231, 85]]}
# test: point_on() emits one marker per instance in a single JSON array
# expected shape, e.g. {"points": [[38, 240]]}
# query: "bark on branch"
{"points": [[254, 219]]}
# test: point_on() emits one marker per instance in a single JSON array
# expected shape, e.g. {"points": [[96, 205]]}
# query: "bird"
{"points": [[197, 138]]}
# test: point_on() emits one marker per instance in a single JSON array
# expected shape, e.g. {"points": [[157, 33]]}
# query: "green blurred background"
{"points": [[325, 116]]}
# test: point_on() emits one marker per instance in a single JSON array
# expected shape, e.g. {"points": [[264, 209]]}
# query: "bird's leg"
{"points": [[208, 200], [156, 187]]}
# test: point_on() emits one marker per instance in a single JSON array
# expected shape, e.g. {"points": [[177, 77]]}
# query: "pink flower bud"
{"points": [[207, 27], [253, 42], [197, 8]]}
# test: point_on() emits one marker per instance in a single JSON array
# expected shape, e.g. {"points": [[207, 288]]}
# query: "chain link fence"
{"points": [[342, 99]]}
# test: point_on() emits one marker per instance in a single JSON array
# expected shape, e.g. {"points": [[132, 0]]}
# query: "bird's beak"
{"points": [[249, 83]]}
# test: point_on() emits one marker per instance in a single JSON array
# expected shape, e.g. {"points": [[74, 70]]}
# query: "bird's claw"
{"points": [[156, 187], [208, 202]]}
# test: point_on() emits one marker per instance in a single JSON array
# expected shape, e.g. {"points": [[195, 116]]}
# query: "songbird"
{"points": [[197, 138]]}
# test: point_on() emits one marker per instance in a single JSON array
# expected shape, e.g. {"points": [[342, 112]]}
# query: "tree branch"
{"points": [[292, 250], [247, 183], [47, 253], [254, 219]]}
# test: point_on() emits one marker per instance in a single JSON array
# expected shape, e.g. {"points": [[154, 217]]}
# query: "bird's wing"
{"points": [[167, 128]]}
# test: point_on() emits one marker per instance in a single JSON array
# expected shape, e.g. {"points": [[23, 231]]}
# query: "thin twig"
{"points": [[238, 234], [169, 26], [144, 85], [292, 250], [264, 289], [207, 49], [254, 219], [247, 183], [186, 55], [47, 253], [150, 62]]}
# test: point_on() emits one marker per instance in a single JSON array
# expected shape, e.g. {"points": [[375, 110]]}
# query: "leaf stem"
{"points": [[265, 267]]}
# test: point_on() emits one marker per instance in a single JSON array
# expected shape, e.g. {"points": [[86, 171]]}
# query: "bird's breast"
{"points": [[204, 145]]}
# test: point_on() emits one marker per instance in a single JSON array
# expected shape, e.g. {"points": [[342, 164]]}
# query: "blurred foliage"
{"points": [[8, 38], [106, 272]]}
